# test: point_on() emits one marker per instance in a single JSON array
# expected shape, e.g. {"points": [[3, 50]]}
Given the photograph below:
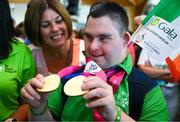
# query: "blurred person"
{"points": [[49, 28], [138, 24], [14, 22], [131, 50], [16, 68], [19, 33], [157, 70], [80, 33], [106, 38], [138, 20], [160, 71]]}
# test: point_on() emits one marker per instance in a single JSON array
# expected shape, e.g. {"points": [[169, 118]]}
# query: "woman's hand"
{"points": [[31, 95]]}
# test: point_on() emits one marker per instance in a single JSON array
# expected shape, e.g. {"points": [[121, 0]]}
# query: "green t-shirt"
{"points": [[154, 107], [15, 71]]}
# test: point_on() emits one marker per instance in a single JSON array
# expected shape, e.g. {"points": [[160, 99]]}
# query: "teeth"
{"points": [[56, 36]]}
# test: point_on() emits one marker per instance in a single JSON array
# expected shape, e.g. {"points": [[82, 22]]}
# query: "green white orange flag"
{"points": [[174, 66], [159, 34], [166, 9]]}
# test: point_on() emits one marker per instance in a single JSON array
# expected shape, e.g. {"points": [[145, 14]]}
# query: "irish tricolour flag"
{"points": [[159, 34]]}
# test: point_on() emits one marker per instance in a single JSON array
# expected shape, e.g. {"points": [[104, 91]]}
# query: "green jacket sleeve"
{"points": [[154, 107]]}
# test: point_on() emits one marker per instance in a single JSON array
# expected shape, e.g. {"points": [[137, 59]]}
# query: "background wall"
{"points": [[18, 11]]}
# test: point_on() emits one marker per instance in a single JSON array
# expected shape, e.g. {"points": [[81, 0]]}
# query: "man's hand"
{"points": [[101, 97]]}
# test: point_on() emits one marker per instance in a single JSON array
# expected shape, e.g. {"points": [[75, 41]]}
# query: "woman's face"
{"points": [[53, 29]]}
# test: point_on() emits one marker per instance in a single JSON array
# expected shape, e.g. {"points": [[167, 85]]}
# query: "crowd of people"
{"points": [[128, 93]]}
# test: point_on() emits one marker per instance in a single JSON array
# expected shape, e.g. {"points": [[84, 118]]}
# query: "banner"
{"points": [[159, 34], [158, 37]]}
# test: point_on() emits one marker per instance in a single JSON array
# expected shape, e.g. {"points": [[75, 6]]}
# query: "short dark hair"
{"points": [[35, 10], [6, 29], [112, 10]]}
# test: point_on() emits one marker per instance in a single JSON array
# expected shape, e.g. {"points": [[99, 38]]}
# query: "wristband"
{"points": [[10, 120], [38, 114], [118, 116]]}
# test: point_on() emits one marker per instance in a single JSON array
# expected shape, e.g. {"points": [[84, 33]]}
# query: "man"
{"points": [[106, 40]]}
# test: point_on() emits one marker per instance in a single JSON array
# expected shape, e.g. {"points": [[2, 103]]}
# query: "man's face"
{"points": [[103, 43]]}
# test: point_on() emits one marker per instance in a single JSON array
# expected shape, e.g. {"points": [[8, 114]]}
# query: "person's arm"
{"points": [[40, 113], [154, 72], [21, 114], [168, 78], [155, 106], [36, 100], [145, 64], [126, 118]]}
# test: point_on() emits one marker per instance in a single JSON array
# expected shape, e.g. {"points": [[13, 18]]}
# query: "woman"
{"points": [[16, 68], [49, 28]]}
